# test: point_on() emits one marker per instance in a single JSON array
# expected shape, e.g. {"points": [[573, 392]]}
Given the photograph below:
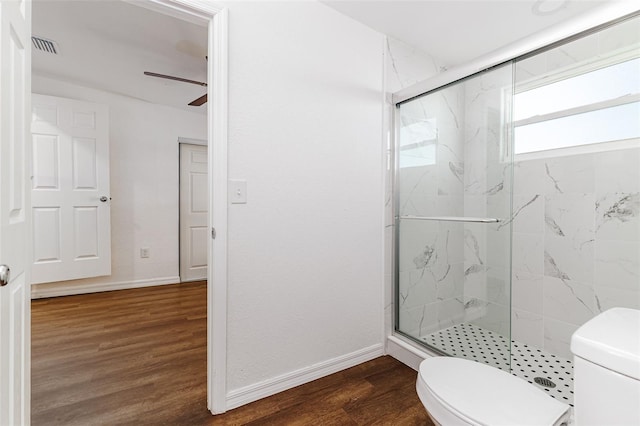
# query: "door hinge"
{"points": [[213, 233]]}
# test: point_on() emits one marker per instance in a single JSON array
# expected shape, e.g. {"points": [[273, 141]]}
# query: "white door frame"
{"points": [[205, 13]]}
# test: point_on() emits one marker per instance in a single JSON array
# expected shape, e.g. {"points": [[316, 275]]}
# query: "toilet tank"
{"points": [[606, 356]]}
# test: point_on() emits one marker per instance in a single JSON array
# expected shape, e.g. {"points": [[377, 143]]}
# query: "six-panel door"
{"points": [[70, 190], [194, 202]]}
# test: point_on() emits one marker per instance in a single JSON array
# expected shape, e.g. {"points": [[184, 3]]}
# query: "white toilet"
{"points": [[606, 383], [606, 369]]}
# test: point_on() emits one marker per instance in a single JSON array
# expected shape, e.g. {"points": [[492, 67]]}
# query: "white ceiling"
{"points": [[108, 45], [457, 31]]}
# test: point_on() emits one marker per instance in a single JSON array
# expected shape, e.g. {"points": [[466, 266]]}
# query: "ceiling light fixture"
{"points": [[548, 7]]}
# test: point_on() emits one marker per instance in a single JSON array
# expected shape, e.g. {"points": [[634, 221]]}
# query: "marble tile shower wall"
{"points": [[487, 186], [404, 66], [576, 220], [453, 272], [576, 243], [431, 253]]}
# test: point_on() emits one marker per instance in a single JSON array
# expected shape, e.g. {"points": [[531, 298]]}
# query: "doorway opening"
{"points": [[139, 256]]}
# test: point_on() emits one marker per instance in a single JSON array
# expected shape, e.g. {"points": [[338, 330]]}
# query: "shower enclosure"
{"points": [[517, 204], [454, 176]]}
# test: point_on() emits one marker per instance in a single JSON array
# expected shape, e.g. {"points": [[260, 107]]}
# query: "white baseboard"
{"points": [[407, 352], [68, 288], [247, 394]]}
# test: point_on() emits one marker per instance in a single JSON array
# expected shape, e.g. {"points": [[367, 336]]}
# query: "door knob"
{"points": [[5, 273], [104, 199]]}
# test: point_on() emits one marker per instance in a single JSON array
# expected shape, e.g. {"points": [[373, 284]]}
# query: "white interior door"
{"points": [[15, 298], [70, 189], [194, 201]]}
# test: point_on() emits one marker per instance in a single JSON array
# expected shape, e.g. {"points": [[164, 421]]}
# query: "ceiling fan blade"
{"points": [[170, 77], [201, 100]]}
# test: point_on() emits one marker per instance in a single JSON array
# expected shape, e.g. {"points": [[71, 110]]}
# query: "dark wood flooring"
{"points": [[139, 357]]}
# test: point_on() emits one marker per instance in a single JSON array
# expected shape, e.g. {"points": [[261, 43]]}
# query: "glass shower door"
{"points": [[453, 204]]}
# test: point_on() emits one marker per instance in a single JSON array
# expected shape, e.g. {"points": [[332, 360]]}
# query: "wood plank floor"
{"points": [[139, 357]]}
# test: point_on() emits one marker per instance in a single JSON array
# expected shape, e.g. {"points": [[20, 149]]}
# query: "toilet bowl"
{"points": [[459, 392], [606, 352]]}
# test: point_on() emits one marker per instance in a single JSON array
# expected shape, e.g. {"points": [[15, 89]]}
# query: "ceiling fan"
{"points": [[200, 101]]}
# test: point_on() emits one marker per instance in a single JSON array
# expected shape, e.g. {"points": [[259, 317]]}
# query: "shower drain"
{"points": [[544, 382]]}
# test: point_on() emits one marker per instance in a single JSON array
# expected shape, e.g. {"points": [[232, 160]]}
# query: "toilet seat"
{"points": [[457, 391]]}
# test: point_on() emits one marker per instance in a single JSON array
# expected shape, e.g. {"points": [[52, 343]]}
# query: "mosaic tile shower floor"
{"points": [[527, 362]]}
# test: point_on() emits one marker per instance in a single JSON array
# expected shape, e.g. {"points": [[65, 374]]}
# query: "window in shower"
{"points": [[588, 102], [418, 143]]}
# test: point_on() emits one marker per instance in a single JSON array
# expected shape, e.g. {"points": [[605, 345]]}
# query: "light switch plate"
{"points": [[237, 191]]}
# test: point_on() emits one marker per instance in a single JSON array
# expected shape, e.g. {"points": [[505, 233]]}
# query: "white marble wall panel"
{"points": [[570, 174], [568, 301], [420, 320], [618, 216], [475, 205], [475, 250], [406, 65], [589, 244], [499, 206], [417, 288], [475, 282], [451, 287], [450, 173], [528, 214], [611, 297], [557, 337], [618, 172], [417, 181], [529, 178], [433, 252], [487, 194], [450, 312], [442, 205], [528, 253], [456, 243], [418, 195], [417, 238], [499, 287], [590, 239], [527, 327], [495, 317], [527, 290], [569, 236], [617, 264]]}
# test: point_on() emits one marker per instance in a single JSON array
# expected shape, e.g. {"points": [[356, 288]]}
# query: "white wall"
{"points": [[305, 252], [144, 187]]}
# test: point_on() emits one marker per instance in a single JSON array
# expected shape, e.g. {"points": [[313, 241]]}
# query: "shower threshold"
{"points": [[530, 363]]}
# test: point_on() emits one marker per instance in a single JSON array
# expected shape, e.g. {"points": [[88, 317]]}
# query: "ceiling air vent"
{"points": [[45, 45]]}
